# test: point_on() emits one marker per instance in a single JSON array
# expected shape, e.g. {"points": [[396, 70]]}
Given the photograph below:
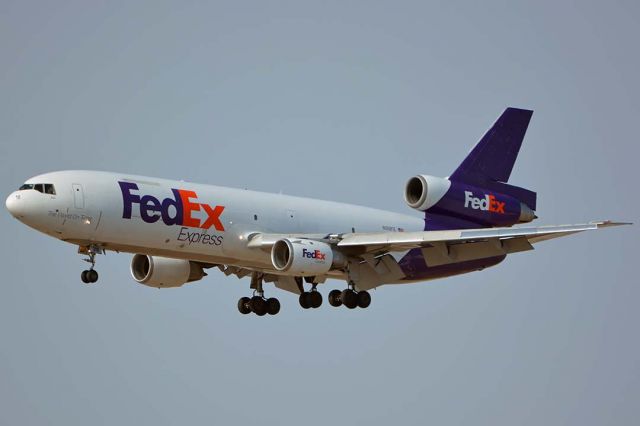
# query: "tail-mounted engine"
{"points": [[473, 203], [155, 271], [422, 192]]}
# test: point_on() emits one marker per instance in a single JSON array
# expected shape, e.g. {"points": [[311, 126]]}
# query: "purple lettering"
{"points": [[128, 198], [177, 205], [149, 204]]}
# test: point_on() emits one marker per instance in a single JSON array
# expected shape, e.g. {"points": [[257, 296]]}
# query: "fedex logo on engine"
{"points": [[316, 254], [488, 203], [172, 211]]}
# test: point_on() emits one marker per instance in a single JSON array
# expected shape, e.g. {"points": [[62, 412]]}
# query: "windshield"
{"points": [[45, 188]]}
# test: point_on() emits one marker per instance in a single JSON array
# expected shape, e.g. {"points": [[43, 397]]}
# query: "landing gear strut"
{"points": [[258, 304], [90, 275], [350, 298]]}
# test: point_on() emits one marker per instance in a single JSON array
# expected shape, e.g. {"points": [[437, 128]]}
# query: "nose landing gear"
{"points": [[90, 275]]}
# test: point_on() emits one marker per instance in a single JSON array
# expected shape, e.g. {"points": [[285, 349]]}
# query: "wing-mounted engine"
{"points": [[161, 272], [303, 257]]}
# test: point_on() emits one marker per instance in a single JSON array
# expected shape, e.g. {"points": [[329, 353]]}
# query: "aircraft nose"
{"points": [[13, 204]]}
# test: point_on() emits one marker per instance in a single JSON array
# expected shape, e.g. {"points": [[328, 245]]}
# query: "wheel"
{"points": [[349, 298], [273, 306], [315, 299], [84, 278], [244, 305], [364, 299], [335, 298], [92, 275], [258, 305], [304, 300]]}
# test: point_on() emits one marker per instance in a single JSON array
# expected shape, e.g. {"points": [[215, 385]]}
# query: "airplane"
{"points": [[177, 230]]}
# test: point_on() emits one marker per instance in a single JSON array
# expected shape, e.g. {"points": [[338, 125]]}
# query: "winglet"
{"points": [[609, 223]]}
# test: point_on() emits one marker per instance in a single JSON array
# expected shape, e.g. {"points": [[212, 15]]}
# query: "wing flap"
{"points": [[442, 253]]}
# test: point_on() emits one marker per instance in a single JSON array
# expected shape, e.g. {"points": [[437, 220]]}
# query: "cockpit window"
{"points": [[45, 188]]}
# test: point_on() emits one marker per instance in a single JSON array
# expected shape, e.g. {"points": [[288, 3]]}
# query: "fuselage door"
{"points": [[78, 196]]}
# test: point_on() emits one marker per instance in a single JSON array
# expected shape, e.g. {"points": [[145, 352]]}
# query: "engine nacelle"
{"points": [[423, 191], [155, 271], [467, 202], [302, 257]]}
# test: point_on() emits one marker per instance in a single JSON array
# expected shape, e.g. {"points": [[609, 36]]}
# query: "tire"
{"points": [[273, 306], [349, 298], [304, 300], [258, 305], [315, 299], [243, 305], [364, 299], [335, 298], [84, 278], [92, 276]]}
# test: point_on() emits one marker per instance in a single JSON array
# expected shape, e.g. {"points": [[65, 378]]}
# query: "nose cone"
{"points": [[14, 205]]}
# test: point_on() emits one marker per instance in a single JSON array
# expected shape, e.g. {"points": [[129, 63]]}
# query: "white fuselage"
{"points": [[90, 207]]}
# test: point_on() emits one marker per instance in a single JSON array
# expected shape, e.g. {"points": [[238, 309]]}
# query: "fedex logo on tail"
{"points": [[184, 203], [316, 254], [488, 203]]}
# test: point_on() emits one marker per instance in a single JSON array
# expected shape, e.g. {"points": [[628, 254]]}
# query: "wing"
{"points": [[440, 247], [376, 266], [399, 241]]}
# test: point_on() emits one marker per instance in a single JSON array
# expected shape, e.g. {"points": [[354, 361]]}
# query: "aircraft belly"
{"points": [[416, 269], [209, 258]]}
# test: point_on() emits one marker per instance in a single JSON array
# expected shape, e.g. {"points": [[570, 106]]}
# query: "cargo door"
{"points": [[78, 196]]}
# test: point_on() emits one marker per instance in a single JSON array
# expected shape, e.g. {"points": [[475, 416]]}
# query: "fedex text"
{"points": [[173, 211], [315, 254], [487, 203]]}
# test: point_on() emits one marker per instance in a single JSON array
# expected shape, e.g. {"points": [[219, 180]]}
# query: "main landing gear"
{"points": [[90, 275], [350, 298], [310, 299], [258, 304]]}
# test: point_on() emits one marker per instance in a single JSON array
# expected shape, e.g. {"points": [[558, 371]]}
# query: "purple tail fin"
{"points": [[490, 162]]}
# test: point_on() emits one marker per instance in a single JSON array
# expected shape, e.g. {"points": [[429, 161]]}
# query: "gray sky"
{"points": [[334, 100]]}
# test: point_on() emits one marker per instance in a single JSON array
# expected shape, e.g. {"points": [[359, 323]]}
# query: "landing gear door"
{"points": [[78, 196]]}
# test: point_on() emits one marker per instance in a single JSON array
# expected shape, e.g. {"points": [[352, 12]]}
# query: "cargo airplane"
{"points": [[178, 230]]}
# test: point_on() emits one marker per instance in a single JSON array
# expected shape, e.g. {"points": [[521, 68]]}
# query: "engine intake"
{"points": [[155, 271], [423, 191], [303, 257]]}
